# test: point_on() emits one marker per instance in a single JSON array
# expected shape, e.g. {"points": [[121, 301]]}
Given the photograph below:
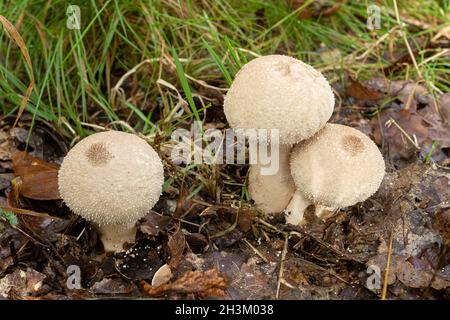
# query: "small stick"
{"points": [[392, 121], [283, 257], [388, 263], [256, 251]]}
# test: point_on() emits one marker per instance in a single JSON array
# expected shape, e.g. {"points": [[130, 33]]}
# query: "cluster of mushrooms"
{"points": [[329, 165], [113, 179]]}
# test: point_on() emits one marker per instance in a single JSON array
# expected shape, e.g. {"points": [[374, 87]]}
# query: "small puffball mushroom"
{"points": [[338, 167], [278, 92], [111, 179]]}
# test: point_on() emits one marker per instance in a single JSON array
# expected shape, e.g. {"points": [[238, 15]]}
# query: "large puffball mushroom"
{"points": [[111, 179], [338, 167], [278, 92]]}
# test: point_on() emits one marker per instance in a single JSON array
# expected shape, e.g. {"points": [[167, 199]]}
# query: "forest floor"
{"points": [[158, 66]]}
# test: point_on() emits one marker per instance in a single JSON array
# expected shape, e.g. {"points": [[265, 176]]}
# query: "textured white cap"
{"points": [[279, 92], [111, 178], [338, 167]]}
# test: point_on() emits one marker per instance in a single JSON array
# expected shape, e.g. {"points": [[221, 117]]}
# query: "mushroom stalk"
{"points": [[296, 208], [272, 193], [113, 236]]}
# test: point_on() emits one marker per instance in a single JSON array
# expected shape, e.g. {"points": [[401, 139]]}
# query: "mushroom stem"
{"points": [[114, 236], [323, 212], [296, 208], [272, 193]]}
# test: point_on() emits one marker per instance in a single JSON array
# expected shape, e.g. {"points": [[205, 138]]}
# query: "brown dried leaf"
{"points": [[39, 178], [418, 119], [360, 91], [154, 224], [21, 283], [181, 202], [201, 283], [246, 219], [176, 244], [39, 224], [415, 277], [111, 286], [196, 239], [41, 186]]}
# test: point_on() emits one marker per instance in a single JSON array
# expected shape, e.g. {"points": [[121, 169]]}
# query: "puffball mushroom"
{"points": [[112, 179], [338, 167], [278, 92]]}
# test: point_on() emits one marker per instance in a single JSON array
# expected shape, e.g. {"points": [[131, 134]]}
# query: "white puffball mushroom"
{"points": [[338, 167], [111, 179], [279, 92], [284, 93]]}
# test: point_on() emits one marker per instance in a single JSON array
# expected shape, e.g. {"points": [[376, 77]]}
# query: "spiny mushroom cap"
{"points": [[111, 178], [338, 167], [279, 92]]}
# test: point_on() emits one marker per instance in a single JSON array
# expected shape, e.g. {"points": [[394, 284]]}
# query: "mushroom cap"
{"points": [[279, 92], [338, 167], [111, 178]]}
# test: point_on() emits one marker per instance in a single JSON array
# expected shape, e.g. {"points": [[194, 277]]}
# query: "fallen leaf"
{"points": [[21, 283], [360, 91], [111, 286], [195, 239], [246, 219], [182, 202], [176, 244], [153, 224], [414, 126], [201, 283], [39, 179], [41, 224]]}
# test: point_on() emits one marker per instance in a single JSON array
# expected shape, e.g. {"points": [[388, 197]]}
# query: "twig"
{"points": [[392, 121], [256, 251], [397, 15], [388, 264], [283, 257]]}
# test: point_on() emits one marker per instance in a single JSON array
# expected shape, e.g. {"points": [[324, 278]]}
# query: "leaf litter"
{"points": [[219, 249]]}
